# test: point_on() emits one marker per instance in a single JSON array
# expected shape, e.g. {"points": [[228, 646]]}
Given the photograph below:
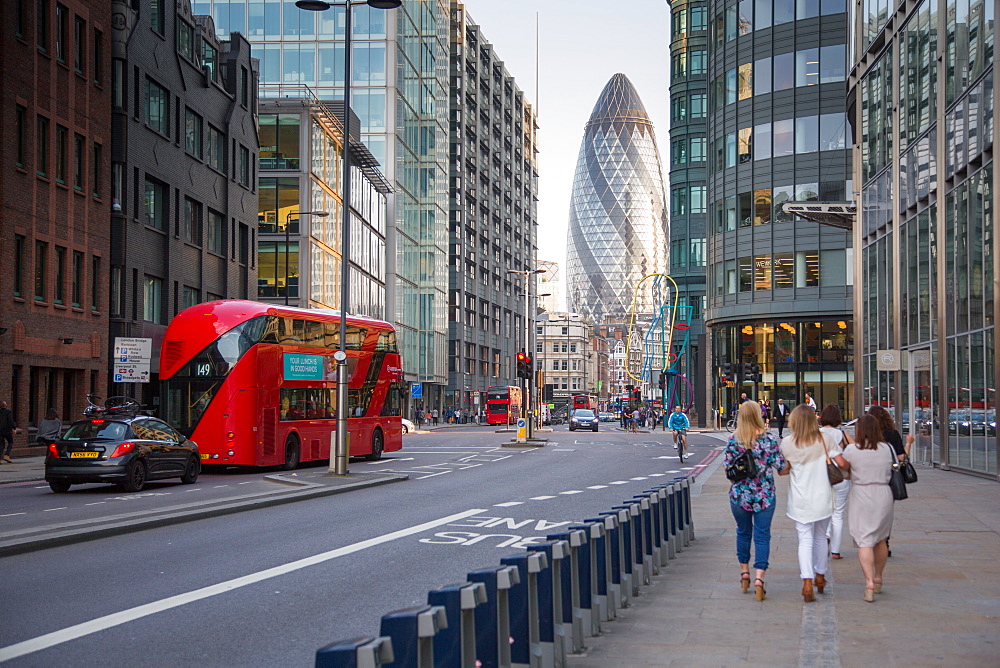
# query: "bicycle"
{"points": [[682, 435], [731, 424]]}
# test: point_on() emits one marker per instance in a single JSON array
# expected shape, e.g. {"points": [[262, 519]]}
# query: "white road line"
{"points": [[674, 471], [542, 498], [572, 491], [433, 474], [196, 489], [49, 510], [118, 618], [13, 514], [218, 486], [245, 483], [42, 487], [619, 482], [508, 504], [656, 475], [598, 487], [95, 503], [638, 478]]}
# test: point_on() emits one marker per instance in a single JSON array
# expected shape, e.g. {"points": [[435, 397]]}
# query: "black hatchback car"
{"points": [[126, 449]]}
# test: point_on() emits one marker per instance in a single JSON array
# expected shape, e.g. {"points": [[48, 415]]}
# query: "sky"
{"points": [[581, 45]]}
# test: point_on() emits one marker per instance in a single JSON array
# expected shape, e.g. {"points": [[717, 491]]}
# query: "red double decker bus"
{"points": [[254, 384], [584, 401], [503, 404]]}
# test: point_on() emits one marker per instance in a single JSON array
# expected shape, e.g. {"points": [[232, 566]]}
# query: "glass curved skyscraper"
{"points": [[617, 219]]}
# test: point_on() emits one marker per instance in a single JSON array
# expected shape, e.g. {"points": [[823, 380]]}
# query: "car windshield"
{"points": [[96, 430], [583, 413]]}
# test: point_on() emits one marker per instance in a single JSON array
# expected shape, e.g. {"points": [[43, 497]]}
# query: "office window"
{"points": [[762, 141], [698, 105], [744, 81], [698, 199], [192, 221], [279, 141], [697, 153], [20, 122], [216, 149], [157, 18], [62, 32], [80, 53], [762, 76], [185, 40], [697, 255], [244, 175], [77, 289], [783, 136], [744, 145], [784, 71], [832, 132], [244, 87], [216, 232], [833, 63], [41, 260], [42, 143], [97, 168], [97, 65], [157, 107], [152, 300], [42, 24], [210, 59], [78, 149], [192, 133], [699, 62], [678, 151], [156, 204], [679, 109], [59, 296], [95, 282], [807, 67], [807, 134], [18, 265], [189, 297], [61, 134]]}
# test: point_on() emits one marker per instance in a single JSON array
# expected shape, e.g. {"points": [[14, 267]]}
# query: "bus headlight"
{"points": [[230, 453]]}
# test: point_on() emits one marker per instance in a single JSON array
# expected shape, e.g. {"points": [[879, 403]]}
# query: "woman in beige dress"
{"points": [[869, 503]]}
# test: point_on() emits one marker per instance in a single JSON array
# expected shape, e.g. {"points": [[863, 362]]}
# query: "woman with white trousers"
{"points": [[830, 421], [810, 497]]}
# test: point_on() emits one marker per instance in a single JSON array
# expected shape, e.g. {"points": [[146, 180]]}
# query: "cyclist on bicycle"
{"points": [[679, 423]]}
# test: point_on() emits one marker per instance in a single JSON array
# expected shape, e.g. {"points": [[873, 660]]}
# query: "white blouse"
{"points": [[810, 495]]}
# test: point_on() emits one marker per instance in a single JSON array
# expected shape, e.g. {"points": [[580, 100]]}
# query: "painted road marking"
{"points": [[572, 491], [541, 498], [118, 618], [598, 487], [656, 475], [638, 478], [49, 510], [619, 482], [95, 503], [13, 514], [508, 504]]}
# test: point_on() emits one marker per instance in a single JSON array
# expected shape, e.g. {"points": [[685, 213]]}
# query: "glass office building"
{"points": [[779, 287], [399, 79], [923, 108], [617, 220]]}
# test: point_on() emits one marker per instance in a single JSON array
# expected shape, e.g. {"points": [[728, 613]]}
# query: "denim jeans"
{"points": [[757, 525]]}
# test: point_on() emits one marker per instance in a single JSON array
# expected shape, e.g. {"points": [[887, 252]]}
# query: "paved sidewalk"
{"points": [[940, 605]]}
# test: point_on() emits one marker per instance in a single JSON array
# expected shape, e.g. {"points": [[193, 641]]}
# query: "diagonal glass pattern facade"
{"points": [[617, 220]]}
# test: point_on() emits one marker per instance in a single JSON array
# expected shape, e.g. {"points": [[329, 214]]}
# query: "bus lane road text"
{"points": [[496, 529]]}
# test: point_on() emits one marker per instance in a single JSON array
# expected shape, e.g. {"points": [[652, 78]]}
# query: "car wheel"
{"points": [[135, 476], [595, 429], [378, 446], [191, 471], [406, 430], [59, 486], [291, 453]]}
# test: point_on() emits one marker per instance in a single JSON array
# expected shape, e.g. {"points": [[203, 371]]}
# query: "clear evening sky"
{"points": [[582, 43]]}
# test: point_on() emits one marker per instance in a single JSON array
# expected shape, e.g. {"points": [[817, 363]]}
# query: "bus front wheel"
{"points": [[378, 446], [291, 453]]}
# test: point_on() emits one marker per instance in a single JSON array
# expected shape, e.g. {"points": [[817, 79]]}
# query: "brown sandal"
{"points": [[759, 591]]}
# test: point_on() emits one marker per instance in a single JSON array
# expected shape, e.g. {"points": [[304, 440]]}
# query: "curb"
{"points": [[40, 538]]}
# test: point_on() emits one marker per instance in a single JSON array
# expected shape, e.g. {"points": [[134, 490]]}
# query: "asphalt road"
{"points": [[269, 587]]}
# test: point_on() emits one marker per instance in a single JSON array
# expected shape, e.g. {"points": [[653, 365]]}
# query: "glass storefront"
{"points": [[791, 357]]}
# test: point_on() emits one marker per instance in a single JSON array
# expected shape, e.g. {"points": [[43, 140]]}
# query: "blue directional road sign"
{"points": [[416, 390]]}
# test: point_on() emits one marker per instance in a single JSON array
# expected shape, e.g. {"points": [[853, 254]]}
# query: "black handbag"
{"points": [[743, 467], [897, 483], [909, 473]]}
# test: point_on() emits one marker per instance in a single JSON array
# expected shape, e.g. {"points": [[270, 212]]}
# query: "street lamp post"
{"points": [[527, 340], [340, 454], [288, 225]]}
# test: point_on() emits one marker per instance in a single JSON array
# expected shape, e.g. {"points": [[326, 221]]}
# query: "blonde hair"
{"points": [[804, 427], [749, 423]]}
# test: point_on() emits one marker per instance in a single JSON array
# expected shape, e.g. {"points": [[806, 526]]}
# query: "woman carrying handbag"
{"points": [[749, 457], [810, 497]]}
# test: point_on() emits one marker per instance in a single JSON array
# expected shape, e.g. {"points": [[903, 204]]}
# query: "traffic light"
{"points": [[727, 370], [746, 371], [755, 374], [663, 380], [522, 365], [636, 394], [529, 365]]}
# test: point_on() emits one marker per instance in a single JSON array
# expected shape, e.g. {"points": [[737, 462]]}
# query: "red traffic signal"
{"points": [[523, 365]]}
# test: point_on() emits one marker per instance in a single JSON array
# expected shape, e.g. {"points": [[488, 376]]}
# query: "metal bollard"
{"points": [[553, 633], [602, 568], [656, 501], [684, 514], [649, 559], [524, 648], [689, 517], [366, 652], [667, 508], [621, 582], [575, 540], [493, 617], [455, 645], [589, 602], [412, 631], [639, 567], [628, 551], [675, 517]]}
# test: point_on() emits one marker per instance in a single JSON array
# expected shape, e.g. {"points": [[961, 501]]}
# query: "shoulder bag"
{"points": [[833, 472], [896, 481], [743, 467], [909, 473]]}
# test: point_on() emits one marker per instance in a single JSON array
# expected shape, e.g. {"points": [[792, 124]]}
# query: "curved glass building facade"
{"points": [[617, 220], [780, 288]]}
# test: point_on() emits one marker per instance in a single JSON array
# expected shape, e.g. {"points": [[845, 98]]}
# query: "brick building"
{"points": [[55, 200], [184, 172]]}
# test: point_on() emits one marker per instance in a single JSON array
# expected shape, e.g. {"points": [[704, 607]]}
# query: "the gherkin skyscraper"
{"points": [[617, 219]]}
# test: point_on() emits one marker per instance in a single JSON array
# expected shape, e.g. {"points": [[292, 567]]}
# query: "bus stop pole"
{"points": [[340, 455]]}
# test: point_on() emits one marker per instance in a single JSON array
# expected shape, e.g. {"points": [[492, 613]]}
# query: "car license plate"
{"points": [[84, 455], [205, 455]]}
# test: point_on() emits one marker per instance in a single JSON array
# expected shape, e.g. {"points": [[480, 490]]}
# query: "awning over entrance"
{"points": [[835, 214]]}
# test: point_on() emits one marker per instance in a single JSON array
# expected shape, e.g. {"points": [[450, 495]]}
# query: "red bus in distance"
{"points": [[503, 404], [254, 384], [585, 401]]}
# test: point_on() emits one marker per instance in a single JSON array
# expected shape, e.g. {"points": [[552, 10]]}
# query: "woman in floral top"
{"points": [[752, 500]]}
